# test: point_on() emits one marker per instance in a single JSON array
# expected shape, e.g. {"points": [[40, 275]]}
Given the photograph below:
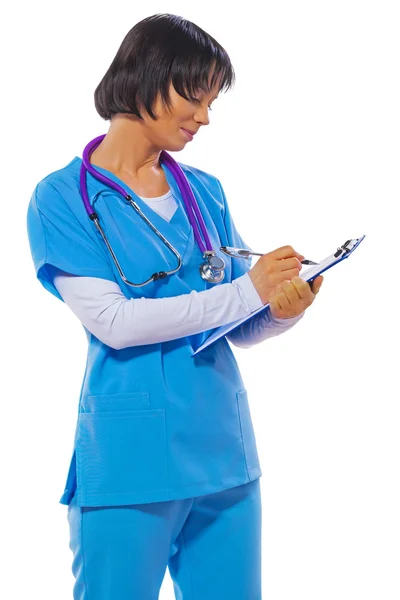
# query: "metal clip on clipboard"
{"points": [[344, 251], [347, 247]]}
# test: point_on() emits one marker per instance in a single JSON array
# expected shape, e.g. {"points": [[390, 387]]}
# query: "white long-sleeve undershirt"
{"points": [[121, 322]]}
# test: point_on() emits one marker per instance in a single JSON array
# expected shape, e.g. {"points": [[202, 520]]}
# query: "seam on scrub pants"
{"points": [[188, 564], [83, 557]]}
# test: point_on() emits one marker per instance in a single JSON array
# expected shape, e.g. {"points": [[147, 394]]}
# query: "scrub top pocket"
{"points": [[111, 402], [120, 453]]}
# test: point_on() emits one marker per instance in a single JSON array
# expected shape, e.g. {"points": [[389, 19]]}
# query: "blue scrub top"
{"points": [[154, 422]]}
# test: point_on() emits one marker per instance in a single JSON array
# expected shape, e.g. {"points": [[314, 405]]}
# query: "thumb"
{"points": [[316, 284]]}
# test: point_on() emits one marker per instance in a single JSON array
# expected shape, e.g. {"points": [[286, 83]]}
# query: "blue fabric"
{"points": [[211, 545], [154, 423]]}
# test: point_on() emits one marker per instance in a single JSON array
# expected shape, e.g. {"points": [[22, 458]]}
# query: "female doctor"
{"points": [[164, 470]]}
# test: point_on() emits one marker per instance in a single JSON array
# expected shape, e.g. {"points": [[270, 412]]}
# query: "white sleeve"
{"points": [[120, 322]]}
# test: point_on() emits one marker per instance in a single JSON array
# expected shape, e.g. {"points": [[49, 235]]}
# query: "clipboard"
{"points": [[309, 274]]}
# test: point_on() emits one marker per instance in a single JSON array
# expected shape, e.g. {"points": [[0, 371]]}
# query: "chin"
{"points": [[170, 146]]}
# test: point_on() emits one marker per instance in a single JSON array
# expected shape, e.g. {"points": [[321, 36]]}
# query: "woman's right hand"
{"points": [[273, 268]]}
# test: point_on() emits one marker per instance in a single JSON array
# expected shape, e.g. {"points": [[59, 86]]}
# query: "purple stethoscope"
{"points": [[212, 270]]}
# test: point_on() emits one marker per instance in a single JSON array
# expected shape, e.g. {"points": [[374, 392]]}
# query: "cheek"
{"points": [[183, 113], [171, 122], [165, 125], [179, 120], [185, 118]]}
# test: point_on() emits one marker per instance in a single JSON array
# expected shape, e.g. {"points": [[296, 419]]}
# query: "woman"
{"points": [[165, 470]]}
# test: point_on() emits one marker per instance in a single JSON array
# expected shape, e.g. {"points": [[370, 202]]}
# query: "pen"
{"points": [[241, 252]]}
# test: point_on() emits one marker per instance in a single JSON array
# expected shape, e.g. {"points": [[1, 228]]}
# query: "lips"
{"points": [[189, 131]]}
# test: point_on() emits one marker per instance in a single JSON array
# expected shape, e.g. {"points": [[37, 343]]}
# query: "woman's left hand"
{"points": [[291, 298]]}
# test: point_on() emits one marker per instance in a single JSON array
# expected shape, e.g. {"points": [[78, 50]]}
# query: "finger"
{"points": [[292, 304], [291, 293], [286, 264], [282, 300], [275, 307], [303, 289], [317, 284], [285, 252]]}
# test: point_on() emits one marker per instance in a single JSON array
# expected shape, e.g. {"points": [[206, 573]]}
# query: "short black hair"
{"points": [[160, 49]]}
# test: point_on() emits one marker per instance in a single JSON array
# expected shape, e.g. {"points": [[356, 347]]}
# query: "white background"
{"points": [[307, 148]]}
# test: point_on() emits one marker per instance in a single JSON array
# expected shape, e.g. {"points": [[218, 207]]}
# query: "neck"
{"points": [[127, 149]]}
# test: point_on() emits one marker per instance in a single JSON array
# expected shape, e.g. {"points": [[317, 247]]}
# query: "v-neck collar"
{"points": [[179, 220]]}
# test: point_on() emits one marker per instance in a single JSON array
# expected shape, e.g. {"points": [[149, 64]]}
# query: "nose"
{"points": [[201, 115]]}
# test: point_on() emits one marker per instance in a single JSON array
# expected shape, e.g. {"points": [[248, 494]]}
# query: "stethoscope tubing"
{"points": [[212, 270], [184, 187]]}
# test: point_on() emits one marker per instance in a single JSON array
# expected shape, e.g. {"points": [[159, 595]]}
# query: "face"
{"points": [[168, 131]]}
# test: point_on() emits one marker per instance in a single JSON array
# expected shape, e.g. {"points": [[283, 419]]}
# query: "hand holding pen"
{"points": [[243, 253], [276, 279]]}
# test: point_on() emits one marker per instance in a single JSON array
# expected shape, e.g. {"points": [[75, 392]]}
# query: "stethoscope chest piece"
{"points": [[213, 270]]}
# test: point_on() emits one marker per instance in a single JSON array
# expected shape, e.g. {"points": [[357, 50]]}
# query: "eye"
{"points": [[197, 100]]}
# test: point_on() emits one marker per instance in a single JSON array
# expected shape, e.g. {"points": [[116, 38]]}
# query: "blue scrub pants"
{"points": [[211, 545]]}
